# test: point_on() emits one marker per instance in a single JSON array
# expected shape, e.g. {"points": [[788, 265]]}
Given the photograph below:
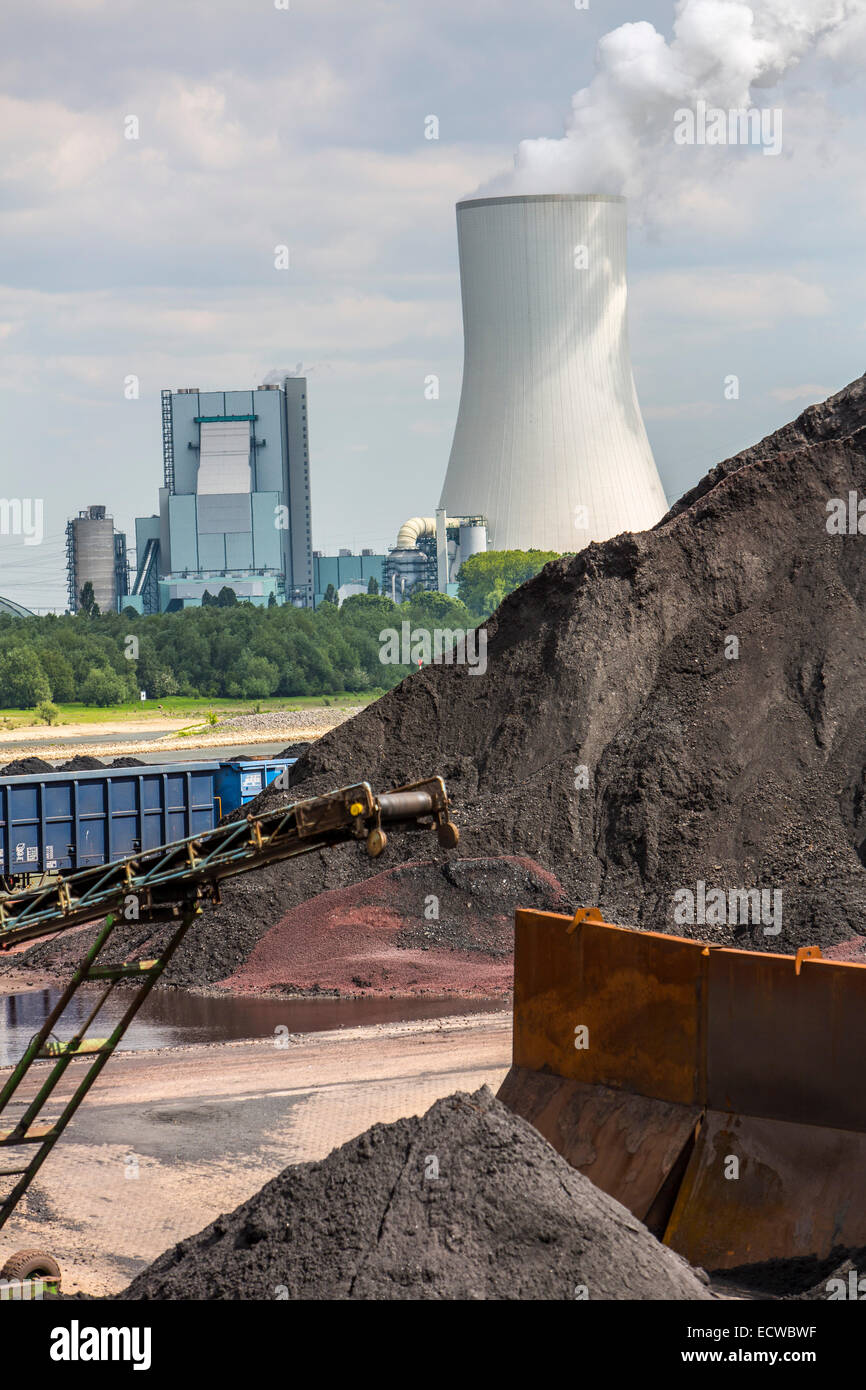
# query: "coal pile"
{"points": [[467, 1202], [20, 766], [81, 762], [420, 928], [705, 681]]}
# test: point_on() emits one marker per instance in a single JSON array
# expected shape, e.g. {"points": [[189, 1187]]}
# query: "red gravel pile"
{"points": [[420, 928]]}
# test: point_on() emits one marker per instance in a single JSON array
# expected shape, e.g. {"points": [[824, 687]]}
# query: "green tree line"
{"points": [[235, 650]]}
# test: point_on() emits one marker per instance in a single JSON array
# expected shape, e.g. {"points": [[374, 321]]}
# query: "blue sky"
{"points": [[260, 126]]}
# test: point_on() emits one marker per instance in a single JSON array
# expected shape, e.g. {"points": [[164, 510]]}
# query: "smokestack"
{"points": [[549, 443]]}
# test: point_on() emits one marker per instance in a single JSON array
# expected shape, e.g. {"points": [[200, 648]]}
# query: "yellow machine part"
{"points": [[716, 1093]]}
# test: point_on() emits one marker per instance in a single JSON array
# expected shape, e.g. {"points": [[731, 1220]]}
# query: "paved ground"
{"points": [[167, 1140]]}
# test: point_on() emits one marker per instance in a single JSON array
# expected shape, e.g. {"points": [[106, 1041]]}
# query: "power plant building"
{"points": [[549, 445], [234, 509], [96, 554]]}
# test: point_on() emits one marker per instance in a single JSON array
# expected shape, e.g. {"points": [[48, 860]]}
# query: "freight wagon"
{"points": [[63, 821]]}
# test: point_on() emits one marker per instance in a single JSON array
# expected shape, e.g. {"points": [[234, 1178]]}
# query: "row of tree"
{"points": [[234, 650]]}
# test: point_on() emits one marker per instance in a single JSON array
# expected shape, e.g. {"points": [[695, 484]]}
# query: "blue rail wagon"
{"points": [[62, 821]]}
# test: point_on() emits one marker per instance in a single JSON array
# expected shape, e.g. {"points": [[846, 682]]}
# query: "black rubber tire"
{"points": [[25, 1263]]}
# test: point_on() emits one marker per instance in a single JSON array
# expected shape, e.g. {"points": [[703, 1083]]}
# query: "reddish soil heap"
{"points": [[416, 929]]}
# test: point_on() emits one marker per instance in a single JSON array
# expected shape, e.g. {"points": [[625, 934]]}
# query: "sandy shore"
{"points": [[102, 741]]}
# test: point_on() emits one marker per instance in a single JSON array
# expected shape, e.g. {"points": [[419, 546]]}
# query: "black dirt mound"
{"points": [[127, 762], [24, 765], [382, 938], [295, 750], [803, 1276], [468, 1202], [81, 762], [841, 1283], [682, 706], [418, 928]]}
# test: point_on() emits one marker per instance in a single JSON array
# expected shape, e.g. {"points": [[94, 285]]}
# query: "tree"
{"points": [[272, 599], [373, 585], [87, 602], [102, 686], [253, 678], [432, 609], [23, 683], [60, 675], [485, 579], [330, 595], [47, 712], [226, 598], [208, 600], [367, 606]]}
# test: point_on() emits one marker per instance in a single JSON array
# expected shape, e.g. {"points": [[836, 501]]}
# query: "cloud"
{"points": [[715, 296], [810, 393]]}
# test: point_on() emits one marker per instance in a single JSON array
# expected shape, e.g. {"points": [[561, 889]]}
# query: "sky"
{"points": [[302, 123]]}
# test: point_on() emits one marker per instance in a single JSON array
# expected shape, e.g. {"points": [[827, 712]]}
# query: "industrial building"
{"points": [[549, 444], [96, 554], [348, 573], [234, 509], [430, 551]]}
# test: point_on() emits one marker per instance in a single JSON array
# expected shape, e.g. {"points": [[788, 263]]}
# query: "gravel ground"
{"points": [[276, 722]]}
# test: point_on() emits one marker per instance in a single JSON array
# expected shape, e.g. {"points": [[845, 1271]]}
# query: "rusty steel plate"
{"points": [[799, 1192], [787, 1045], [625, 1143], [639, 995]]}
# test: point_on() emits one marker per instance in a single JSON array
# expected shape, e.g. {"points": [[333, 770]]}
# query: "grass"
{"points": [[176, 707]]}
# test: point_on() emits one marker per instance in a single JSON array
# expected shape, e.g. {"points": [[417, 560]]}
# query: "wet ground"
{"points": [[172, 1018]]}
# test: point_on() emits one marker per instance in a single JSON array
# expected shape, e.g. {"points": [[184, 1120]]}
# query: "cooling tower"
{"points": [[549, 443]]}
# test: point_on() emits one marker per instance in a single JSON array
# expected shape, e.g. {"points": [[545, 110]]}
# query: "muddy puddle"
{"points": [[172, 1018]]}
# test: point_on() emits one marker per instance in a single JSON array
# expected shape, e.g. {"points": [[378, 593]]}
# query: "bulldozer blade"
{"points": [[793, 1190], [714, 1092], [626, 1143]]}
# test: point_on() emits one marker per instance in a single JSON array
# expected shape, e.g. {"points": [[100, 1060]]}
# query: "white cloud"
{"points": [[810, 393], [713, 296]]}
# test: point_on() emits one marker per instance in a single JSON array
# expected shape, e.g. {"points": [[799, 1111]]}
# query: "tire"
{"points": [[25, 1263]]}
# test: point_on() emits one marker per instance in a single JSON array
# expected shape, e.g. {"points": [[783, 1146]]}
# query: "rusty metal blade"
{"points": [[625, 1143], [799, 1191]]}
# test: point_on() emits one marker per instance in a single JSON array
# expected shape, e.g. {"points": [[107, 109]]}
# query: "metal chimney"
{"points": [[549, 443]]}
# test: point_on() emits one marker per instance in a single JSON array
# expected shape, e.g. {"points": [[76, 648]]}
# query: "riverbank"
{"points": [[157, 735]]}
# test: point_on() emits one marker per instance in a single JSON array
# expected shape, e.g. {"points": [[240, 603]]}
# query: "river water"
{"points": [[172, 1018]]}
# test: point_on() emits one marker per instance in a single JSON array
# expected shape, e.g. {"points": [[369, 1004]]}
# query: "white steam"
{"points": [[619, 138]]}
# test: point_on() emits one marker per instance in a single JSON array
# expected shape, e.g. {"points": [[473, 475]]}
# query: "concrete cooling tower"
{"points": [[549, 443]]}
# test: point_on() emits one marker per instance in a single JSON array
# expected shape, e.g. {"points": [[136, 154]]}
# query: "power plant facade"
{"points": [[234, 511], [549, 444]]}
